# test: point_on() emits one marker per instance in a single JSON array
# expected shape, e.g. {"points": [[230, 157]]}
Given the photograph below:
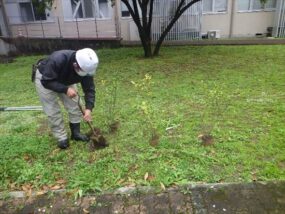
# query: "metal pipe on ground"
{"points": [[22, 108]]}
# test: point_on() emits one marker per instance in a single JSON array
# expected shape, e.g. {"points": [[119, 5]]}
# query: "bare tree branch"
{"points": [[150, 14], [144, 20], [134, 15], [178, 13]]}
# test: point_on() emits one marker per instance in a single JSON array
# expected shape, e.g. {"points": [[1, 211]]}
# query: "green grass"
{"points": [[233, 93]]}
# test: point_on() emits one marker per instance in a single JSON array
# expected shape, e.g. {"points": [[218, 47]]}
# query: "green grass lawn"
{"points": [[233, 94]]}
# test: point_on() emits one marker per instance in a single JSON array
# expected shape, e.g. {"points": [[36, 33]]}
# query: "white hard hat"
{"points": [[87, 60]]}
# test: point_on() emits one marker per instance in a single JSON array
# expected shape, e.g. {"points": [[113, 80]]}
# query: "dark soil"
{"points": [[97, 140], [207, 139], [154, 141]]}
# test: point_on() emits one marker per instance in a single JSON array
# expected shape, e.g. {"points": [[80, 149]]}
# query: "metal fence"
{"points": [[61, 27], [188, 26], [279, 26]]}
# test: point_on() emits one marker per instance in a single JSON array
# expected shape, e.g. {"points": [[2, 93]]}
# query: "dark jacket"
{"points": [[58, 73]]}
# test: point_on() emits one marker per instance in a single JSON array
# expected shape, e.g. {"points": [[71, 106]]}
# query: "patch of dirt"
{"points": [[154, 141], [97, 140], [206, 139]]}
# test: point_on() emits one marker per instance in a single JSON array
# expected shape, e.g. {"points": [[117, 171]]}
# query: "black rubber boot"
{"points": [[63, 144], [75, 132]]}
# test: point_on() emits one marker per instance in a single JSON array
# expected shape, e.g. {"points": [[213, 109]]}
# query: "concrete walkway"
{"points": [[238, 198]]}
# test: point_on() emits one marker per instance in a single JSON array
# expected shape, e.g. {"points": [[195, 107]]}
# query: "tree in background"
{"points": [[142, 14]]}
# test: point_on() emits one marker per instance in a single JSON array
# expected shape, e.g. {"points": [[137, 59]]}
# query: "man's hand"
{"points": [[87, 115], [71, 92]]}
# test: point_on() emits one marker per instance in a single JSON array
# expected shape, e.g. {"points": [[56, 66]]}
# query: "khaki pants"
{"points": [[51, 107]]}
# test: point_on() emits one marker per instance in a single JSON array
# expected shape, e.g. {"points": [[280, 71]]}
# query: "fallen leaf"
{"points": [[26, 187], [146, 176], [85, 211], [162, 186], [41, 193], [61, 181], [12, 185], [56, 187], [45, 188], [200, 135], [254, 176], [29, 193], [131, 184]]}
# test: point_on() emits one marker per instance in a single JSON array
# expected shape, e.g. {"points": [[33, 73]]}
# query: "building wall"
{"points": [[229, 24], [237, 24], [125, 24], [248, 24], [59, 26], [219, 22]]}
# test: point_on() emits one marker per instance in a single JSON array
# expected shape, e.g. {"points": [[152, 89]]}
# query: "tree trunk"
{"points": [[162, 37], [146, 42], [147, 48]]}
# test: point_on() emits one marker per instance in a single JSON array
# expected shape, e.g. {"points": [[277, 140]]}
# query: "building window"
{"points": [[30, 13], [255, 5], [124, 10], [214, 6], [167, 7], [80, 9], [90, 8]]}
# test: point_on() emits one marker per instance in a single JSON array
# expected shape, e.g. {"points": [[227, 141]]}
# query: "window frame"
{"points": [[21, 14], [95, 11], [213, 8], [251, 10], [33, 15], [121, 10]]}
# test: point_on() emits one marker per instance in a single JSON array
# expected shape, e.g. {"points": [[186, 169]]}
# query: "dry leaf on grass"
{"points": [[26, 187], [162, 186], [85, 211], [61, 181], [41, 193], [146, 176], [56, 187]]}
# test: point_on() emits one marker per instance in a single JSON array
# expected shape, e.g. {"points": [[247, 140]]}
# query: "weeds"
{"points": [[110, 88], [235, 94]]}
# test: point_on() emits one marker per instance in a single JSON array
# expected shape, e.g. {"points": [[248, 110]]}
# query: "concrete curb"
{"points": [[120, 191], [206, 42], [255, 197], [131, 190]]}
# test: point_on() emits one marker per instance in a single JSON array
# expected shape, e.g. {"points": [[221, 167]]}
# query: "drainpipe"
{"points": [[5, 18], [233, 10]]}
